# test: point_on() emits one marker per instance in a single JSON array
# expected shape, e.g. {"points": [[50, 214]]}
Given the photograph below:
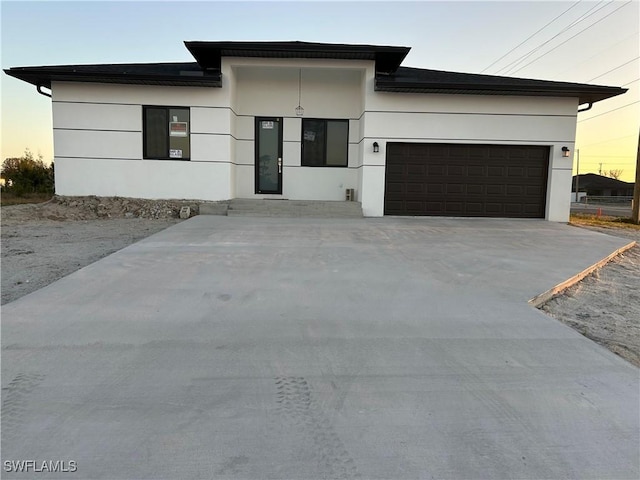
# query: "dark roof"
{"points": [[178, 74], [595, 181], [417, 80], [209, 54], [390, 77]]}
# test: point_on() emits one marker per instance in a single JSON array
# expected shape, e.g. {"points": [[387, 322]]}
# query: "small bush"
{"points": [[27, 175]]}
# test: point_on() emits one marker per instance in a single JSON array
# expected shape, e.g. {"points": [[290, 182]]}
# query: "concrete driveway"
{"points": [[315, 348]]}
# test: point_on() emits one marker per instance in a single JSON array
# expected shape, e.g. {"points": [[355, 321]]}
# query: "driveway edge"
{"points": [[544, 297]]}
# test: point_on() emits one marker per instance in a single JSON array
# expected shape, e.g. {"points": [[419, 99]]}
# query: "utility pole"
{"points": [[600, 171], [635, 210], [577, 175]]}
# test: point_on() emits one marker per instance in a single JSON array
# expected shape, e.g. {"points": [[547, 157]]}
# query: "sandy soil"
{"points": [[605, 306], [38, 252], [44, 242]]}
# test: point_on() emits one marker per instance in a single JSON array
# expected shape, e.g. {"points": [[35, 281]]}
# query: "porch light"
{"points": [[565, 152], [299, 109], [376, 147]]}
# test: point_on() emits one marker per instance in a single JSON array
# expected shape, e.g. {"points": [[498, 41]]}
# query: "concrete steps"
{"points": [[282, 208]]}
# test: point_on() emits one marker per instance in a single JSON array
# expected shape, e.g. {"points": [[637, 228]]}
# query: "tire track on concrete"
{"points": [[297, 405], [15, 403]]}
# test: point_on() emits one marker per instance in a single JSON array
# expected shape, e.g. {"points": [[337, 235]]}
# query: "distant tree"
{"points": [[614, 173], [27, 174]]}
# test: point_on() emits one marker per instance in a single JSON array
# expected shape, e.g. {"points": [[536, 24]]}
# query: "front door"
{"points": [[268, 162]]}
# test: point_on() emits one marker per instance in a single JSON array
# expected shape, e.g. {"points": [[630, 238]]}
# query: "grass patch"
{"points": [[591, 220], [11, 199]]}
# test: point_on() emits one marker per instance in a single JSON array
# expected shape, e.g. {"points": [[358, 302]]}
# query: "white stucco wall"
{"points": [[330, 89], [472, 119], [97, 130]]}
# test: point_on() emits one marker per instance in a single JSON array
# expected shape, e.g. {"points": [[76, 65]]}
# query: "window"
{"points": [[166, 133], [325, 143]]}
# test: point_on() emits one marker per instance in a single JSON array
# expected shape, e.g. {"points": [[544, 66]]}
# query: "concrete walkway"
{"points": [[228, 347]]}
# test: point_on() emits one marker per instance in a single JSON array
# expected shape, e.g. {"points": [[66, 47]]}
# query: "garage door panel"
{"points": [[495, 171], [474, 208], [466, 180], [416, 188], [475, 189], [495, 189], [455, 170], [535, 172]]}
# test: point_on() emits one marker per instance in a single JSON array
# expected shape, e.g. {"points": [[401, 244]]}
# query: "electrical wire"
{"points": [[613, 69], [572, 37], [634, 35], [531, 36], [609, 111], [629, 83], [606, 141], [522, 58]]}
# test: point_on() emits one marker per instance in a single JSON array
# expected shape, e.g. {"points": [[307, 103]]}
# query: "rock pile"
{"points": [[93, 207]]}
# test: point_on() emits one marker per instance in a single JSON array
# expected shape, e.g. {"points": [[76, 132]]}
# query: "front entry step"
{"points": [[283, 208]]}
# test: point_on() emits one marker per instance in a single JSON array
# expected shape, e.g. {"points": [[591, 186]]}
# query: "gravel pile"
{"points": [[93, 208]]}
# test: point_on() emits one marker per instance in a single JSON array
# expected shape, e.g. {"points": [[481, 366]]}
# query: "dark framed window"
{"points": [[166, 133], [325, 143]]}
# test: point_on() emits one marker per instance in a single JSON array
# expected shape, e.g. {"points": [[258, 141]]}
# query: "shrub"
{"points": [[25, 175]]}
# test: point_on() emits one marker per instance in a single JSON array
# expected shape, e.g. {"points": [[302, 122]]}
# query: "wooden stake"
{"points": [[635, 211]]}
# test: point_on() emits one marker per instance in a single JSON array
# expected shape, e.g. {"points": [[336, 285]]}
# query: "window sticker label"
{"points": [[177, 129], [174, 153], [267, 125], [310, 135]]}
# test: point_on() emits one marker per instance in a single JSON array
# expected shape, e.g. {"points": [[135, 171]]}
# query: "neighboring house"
{"points": [[601, 186], [296, 120]]}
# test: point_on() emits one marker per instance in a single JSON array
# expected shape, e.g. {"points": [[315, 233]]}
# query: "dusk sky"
{"points": [[581, 41]]}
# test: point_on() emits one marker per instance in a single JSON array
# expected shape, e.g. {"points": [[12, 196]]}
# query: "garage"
{"points": [[461, 180]]}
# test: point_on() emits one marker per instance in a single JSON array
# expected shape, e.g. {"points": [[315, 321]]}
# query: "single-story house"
{"points": [[601, 186], [311, 121]]}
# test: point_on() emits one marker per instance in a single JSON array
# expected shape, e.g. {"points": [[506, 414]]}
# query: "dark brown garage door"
{"points": [[466, 180]]}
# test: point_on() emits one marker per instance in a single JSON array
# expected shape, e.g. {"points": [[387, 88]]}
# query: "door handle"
{"points": [[279, 165]]}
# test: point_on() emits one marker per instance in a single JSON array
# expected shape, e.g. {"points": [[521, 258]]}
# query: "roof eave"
{"points": [[44, 78], [584, 95], [209, 54]]}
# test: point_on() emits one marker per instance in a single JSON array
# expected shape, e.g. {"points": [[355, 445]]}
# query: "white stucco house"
{"points": [[297, 120]]}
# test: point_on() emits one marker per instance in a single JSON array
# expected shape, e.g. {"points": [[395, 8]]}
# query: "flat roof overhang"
{"points": [[209, 54], [498, 86], [43, 76]]}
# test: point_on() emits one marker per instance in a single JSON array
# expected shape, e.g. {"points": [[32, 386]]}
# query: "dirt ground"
{"points": [[44, 242], [605, 306]]}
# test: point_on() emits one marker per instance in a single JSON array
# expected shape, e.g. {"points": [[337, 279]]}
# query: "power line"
{"points": [[613, 69], [634, 35], [608, 156], [609, 111], [629, 83], [531, 36], [572, 37], [606, 141], [522, 58]]}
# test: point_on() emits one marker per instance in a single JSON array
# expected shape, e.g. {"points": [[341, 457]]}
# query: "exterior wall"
{"points": [[473, 119], [268, 87], [97, 130]]}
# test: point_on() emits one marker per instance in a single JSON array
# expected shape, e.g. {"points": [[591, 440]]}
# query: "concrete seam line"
{"points": [[543, 298]]}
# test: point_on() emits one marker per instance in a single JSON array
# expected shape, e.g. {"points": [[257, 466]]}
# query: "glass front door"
{"points": [[268, 161]]}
